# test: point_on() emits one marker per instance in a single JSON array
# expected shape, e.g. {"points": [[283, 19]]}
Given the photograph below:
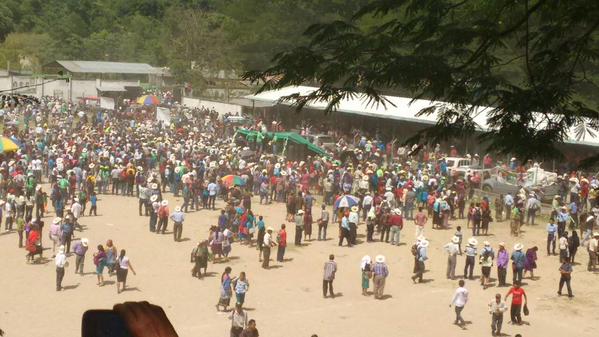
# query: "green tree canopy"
{"points": [[533, 61]]}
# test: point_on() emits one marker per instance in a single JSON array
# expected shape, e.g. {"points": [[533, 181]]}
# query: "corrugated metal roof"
{"points": [[101, 67], [399, 108]]}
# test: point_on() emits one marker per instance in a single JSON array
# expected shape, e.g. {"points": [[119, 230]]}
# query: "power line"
{"points": [[31, 85]]}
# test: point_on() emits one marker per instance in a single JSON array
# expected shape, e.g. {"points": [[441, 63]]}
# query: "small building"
{"points": [[75, 80]]}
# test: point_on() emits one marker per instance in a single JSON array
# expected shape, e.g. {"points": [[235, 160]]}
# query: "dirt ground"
{"points": [[287, 299]]}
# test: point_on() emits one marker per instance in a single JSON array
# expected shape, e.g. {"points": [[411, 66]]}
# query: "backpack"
{"points": [[414, 250], [476, 215]]}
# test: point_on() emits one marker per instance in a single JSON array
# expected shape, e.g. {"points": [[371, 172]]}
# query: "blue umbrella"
{"points": [[346, 201]]}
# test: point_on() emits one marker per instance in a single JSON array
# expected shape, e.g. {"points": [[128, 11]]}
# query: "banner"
{"points": [[163, 115], [107, 103]]}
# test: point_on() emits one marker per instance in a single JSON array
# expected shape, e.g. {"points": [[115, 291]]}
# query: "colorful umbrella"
{"points": [[346, 201], [16, 141], [148, 100], [231, 180], [7, 145]]}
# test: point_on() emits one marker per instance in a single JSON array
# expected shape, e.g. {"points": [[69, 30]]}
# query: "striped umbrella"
{"points": [[7, 145], [346, 201], [148, 100]]}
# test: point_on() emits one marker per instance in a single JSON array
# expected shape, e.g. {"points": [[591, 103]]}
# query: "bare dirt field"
{"points": [[287, 299]]}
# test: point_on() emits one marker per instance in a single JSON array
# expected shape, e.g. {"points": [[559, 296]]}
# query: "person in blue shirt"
{"points": [[93, 199], [551, 232], [518, 258]]}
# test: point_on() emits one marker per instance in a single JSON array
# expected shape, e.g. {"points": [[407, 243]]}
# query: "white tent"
{"points": [[398, 108]]}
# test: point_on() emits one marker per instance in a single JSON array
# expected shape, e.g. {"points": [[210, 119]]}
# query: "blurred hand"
{"points": [[145, 320]]}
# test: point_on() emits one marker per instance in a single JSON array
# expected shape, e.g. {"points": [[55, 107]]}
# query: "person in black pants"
{"points": [[566, 270], [470, 257], [386, 228], [330, 268]]}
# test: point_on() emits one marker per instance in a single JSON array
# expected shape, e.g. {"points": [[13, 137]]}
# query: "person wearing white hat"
{"points": [[163, 214], [154, 208], [470, 257], [396, 222], [299, 227], [518, 261], [421, 257], [452, 250], [61, 263], [486, 262], [353, 219], [267, 244], [80, 248], [533, 205], [178, 217], [380, 272], [503, 258]]}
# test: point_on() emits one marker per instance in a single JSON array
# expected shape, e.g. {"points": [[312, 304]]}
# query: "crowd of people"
{"points": [[82, 153]]}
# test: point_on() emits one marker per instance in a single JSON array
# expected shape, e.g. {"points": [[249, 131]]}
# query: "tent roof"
{"points": [[101, 67], [289, 136], [397, 108]]}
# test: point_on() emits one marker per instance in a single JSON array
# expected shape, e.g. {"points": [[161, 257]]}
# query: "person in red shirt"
{"points": [[518, 294], [282, 243]]}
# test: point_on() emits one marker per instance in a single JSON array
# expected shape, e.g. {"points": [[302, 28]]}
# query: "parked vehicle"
{"points": [[324, 141]]}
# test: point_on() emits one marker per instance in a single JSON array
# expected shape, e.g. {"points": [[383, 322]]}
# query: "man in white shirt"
{"points": [[76, 210], [266, 245], [496, 308], [61, 262], [36, 166], [563, 246], [460, 298], [212, 189], [239, 320], [452, 250]]}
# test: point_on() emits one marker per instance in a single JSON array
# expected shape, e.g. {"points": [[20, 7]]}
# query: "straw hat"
{"points": [[84, 242], [164, 203], [595, 234], [269, 229], [423, 243], [154, 197], [91, 166], [472, 242], [154, 186], [56, 220], [301, 211], [380, 259], [518, 246], [486, 243], [455, 239], [502, 244], [354, 208]]}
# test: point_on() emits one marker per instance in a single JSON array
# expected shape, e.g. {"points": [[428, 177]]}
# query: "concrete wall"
{"points": [[221, 108]]}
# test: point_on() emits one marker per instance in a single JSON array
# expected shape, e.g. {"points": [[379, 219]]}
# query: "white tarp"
{"points": [[107, 103], [163, 115]]}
